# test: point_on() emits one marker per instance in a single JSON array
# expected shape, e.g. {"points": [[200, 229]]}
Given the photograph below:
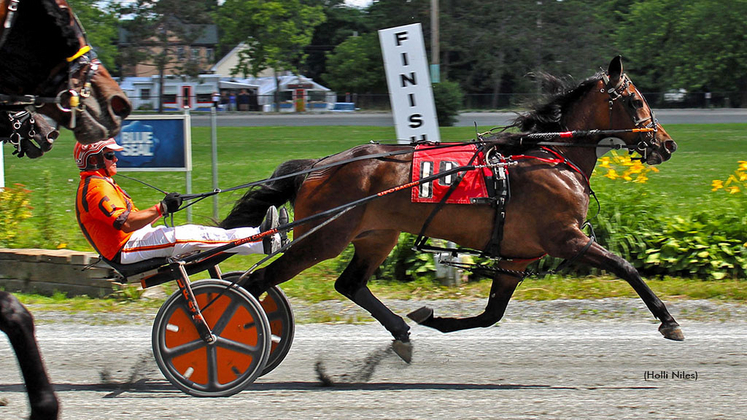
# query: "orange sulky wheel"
{"points": [[236, 358], [282, 323]]}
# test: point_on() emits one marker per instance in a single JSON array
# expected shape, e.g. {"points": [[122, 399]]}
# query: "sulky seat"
{"points": [[160, 270]]}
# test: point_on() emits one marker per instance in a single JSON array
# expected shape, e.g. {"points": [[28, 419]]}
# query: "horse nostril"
{"points": [[121, 106], [670, 145]]}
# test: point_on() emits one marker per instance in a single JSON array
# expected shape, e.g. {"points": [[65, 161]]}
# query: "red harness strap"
{"points": [[559, 158]]}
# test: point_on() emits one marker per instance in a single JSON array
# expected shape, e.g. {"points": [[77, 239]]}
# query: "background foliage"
{"points": [[486, 47]]}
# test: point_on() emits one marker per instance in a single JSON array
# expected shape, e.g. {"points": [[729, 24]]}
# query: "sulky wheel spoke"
{"points": [[226, 316], [212, 367], [183, 349], [237, 346]]}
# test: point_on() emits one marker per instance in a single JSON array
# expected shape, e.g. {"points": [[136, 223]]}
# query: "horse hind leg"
{"points": [[370, 252]]}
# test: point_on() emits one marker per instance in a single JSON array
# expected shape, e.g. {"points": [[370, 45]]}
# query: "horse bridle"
{"points": [[616, 92], [83, 62]]}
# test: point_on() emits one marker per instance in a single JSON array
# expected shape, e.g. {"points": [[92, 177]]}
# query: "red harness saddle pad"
{"points": [[429, 160]]}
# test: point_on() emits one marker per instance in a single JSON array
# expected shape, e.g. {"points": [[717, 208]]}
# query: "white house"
{"points": [[297, 93], [231, 60], [195, 93]]}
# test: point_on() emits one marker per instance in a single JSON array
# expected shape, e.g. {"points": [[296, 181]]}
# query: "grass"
{"points": [[245, 154]]}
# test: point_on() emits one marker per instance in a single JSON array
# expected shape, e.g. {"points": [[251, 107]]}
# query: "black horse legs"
{"points": [[370, 252], [500, 293], [599, 257], [18, 324], [352, 284]]}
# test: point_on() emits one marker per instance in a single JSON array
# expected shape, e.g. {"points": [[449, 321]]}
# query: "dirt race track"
{"points": [[601, 364]]}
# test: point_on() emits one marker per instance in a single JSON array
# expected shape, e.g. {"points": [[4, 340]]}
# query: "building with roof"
{"points": [[195, 93], [297, 93], [199, 51]]}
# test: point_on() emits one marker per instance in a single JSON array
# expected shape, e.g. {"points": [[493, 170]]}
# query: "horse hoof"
{"points": [[421, 315], [403, 350], [672, 332]]}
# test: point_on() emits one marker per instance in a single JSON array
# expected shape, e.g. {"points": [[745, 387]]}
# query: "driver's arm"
{"points": [[141, 218]]}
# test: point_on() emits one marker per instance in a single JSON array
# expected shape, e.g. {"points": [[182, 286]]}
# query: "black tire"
{"points": [[239, 354]]}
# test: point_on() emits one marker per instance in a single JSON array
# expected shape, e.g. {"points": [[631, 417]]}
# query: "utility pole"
{"points": [[435, 50]]}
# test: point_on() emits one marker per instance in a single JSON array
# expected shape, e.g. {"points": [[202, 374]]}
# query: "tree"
{"points": [[342, 22], [275, 33], [693, 45], [489, 47], [356, 66], [101, 29], [157, 29]]}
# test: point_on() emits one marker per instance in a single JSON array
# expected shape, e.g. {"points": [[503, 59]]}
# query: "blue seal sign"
{"points": [[155, 143]]}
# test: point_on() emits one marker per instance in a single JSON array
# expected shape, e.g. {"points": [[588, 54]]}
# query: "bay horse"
{"points": [[544, 216], [48, 67]]}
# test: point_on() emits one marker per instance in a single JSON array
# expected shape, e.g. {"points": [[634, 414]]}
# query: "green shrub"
{"points": [[448, 98], [706, 244], [44, 217], [406, 264], [14, 208]]}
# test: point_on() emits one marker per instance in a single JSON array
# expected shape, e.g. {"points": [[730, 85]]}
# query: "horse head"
{"points": [[48, 67], [622, 106]]}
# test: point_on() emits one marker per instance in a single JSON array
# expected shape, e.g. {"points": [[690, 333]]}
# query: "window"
{"points": [[169, 98], [180, 53], [144, 93], [209, 55], [204, 97], [194, 54], [286, 95], [317, 95]]}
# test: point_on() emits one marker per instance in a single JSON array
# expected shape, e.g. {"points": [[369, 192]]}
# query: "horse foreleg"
{"points": [[370, 252], [16, 321], [597, 256], [500, 293]]}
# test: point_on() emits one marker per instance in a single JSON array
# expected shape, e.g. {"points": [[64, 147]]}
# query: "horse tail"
{"points": [[251, 208]]}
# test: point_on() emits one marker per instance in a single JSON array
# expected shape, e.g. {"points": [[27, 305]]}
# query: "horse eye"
{"points": [[637, 104]]}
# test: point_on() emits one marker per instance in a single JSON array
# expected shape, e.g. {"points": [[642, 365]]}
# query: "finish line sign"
{"points": [[409, 84]]}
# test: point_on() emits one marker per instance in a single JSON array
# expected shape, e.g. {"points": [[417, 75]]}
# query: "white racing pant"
{"points": [[161, 241]]}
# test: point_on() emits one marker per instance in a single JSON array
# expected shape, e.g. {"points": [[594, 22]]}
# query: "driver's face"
{"points": [[110, 160]]}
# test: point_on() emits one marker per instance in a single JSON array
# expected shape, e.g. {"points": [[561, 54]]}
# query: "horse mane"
{"points": [[61, 17], [47, 12], [559, 96]]}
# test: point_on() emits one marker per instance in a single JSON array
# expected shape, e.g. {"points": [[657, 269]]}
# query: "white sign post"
{"points": [[409, 84]]}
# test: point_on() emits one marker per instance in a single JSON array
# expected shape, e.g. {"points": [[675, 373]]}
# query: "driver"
{"points": [[123, 234]]}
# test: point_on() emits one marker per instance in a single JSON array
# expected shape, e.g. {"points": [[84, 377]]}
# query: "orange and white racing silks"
{"points": [[102, 207]]}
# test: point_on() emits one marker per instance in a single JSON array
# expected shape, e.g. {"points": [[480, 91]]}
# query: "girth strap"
{"points": [[502, 193]]}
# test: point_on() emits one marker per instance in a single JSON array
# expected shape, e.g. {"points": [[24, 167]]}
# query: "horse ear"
{"points": [[615, 70]]}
